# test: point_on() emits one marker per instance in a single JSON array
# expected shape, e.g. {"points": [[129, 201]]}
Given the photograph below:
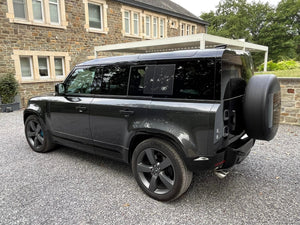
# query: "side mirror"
{"points": [[59, 89]]}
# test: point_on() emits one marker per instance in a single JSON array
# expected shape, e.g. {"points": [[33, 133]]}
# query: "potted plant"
{"points": [[8, 90]]}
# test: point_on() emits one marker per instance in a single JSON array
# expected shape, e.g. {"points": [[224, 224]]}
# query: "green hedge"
{"points": [[282, 65]]}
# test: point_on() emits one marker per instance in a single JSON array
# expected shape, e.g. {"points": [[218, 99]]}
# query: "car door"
{"points": [[114, 116], [70, 112]]}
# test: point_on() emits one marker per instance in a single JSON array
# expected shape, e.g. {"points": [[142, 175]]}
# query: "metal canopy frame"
{"points": [[196, 41]]}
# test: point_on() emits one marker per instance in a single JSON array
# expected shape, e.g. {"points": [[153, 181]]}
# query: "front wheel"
{"points": [[159, 170], [37, 135]]}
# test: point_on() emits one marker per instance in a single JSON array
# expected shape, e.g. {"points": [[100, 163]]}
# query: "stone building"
{"points": [[41, 40]]}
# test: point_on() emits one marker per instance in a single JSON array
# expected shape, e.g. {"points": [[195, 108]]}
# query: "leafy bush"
{"points": [[8, 88], [282, 65]]}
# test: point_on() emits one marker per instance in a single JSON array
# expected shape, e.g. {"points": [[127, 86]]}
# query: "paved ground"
{"points": [[71, 187]]}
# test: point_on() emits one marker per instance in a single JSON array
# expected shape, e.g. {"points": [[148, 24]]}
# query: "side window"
{"points": [[156, 80], [195, 79], [81, 81], [140, 80], [112, 80]]}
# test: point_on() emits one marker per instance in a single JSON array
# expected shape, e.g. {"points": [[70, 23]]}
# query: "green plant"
{"points": [[8, 88], [282, 65]]}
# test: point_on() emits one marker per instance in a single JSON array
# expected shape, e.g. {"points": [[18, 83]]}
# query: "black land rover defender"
{"points": [[166, 114]]}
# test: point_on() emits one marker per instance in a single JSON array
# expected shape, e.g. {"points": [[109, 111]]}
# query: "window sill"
{"points": [[26, 22], [94, 30], [133, 36], [42, 81]]}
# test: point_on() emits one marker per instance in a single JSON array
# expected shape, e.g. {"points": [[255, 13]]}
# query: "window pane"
{"points": [[81, 81], [141, 80], [113, 81], [37, 9], [59, 71], [163, 80], [148, 25], [162, 28], [136, 24], [127, 22], [54, 14], [155, 27], [194, 79], [43, 67], [19, 8], [95, 15], [25, 67]]}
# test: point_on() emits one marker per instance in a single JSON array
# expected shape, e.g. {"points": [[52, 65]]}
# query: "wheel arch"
{"points": [[142, 136]]}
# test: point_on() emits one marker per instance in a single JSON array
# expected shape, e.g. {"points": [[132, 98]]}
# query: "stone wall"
{"points": [[290, 100]]}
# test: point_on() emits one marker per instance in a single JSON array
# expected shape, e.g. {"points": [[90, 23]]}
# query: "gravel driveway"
{"points": [[70, 187]]}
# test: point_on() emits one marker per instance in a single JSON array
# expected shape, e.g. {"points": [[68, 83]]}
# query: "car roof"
{"points": [[205, 53]]}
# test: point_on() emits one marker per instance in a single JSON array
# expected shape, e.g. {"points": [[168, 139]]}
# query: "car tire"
{"points": [[262, 105], [159, 170], [37, 136]]}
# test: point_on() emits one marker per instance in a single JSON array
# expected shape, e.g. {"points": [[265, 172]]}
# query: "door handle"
{"points": [[126, 112], [81, 109]]}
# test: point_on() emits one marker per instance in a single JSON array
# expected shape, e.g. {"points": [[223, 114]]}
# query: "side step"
{"points": [[221, 173]]}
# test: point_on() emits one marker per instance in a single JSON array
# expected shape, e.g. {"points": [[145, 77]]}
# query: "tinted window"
{"points": [[111, 80], [194, 79], [163, 80], [80, 81], [140, 80]]}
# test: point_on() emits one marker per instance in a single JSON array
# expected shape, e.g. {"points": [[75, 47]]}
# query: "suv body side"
{"points": [[187, 109]]}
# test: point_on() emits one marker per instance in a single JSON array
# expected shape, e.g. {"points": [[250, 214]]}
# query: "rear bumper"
{"points": [[225, 158]]}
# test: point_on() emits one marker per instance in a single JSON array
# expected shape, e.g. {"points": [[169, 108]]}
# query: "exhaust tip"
{"points": [[221, 173]]}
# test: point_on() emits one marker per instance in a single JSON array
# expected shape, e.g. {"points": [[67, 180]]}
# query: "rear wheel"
{"points": [[37, 135], [159, 170]]}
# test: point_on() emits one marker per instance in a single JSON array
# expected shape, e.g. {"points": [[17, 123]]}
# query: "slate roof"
{"points": [[165, 7]]}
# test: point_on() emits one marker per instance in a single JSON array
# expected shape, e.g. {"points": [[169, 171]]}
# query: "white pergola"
{"points": [[196, 41]]}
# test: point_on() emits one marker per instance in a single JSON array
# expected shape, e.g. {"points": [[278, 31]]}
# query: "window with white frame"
{"points": [[38, 12], [95, 16], [127, 22], [135, 23], [50, 13], [54, 11], [188, 29], [43, 67], [162, 27], [148, 26], [26, 67], [182, 29], [19, 8], [59, 67], [155, 26], [193, 29], [34, 66]]}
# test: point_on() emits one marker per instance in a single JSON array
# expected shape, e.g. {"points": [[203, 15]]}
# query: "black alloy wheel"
{"points": [[159, 170], [36, 135]]}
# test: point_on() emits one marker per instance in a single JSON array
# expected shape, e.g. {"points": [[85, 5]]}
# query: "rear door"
{"points": [[69, 114], [115, 115]]}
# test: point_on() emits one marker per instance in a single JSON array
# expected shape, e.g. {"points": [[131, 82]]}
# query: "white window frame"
{"points": [[148, 25], [42, 9], [136, 32], [48, 68], [46, 19], [101, 17], [129, 21], [182, 29], [35, 74], [188, 29], [155, 27], [63, 66], [31, 67], [161, 27], [58, 11]]}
